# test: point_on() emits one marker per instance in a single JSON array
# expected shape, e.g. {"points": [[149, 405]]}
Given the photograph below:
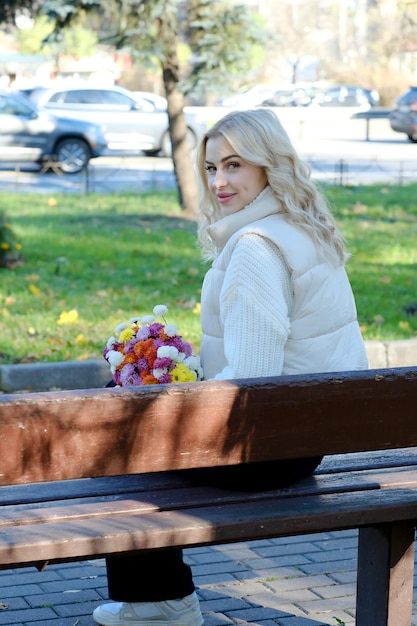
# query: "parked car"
{"points": [[347, 96], [280, 98], [159, 102], [248, 98], [28, 134], [129, 121], [295, 97], [403, 118]]}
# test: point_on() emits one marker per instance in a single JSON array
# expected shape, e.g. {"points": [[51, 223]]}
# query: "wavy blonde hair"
{"points": [[259, 138]]}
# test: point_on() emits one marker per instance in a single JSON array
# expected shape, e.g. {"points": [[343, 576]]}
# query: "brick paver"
{"points": [[298, 581]]}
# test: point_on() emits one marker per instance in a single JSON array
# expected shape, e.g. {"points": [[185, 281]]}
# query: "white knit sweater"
{"points": [[256, 305]]}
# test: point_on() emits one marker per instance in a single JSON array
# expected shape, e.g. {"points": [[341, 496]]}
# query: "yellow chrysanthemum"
{"points": [[126, 334], [181, 374]]}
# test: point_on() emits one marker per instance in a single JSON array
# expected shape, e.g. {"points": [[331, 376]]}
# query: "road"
{"points": [[334, 145]]}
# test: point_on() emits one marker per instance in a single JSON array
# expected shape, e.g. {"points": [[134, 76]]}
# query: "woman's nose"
{"points": [[219, 179]]}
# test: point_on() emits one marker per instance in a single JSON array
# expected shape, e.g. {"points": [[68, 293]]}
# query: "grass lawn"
{"points": [[93, 261]]}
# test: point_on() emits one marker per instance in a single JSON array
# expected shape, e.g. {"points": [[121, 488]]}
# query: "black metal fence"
{"points": [[129, 174]]}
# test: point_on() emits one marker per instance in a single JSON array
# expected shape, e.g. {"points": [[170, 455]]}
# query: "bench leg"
{"points": [[385, 575]]}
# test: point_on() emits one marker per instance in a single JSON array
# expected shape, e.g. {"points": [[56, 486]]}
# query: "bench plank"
{"points": [[84, 537], [74, 434], [147, 499], [112, 485]]}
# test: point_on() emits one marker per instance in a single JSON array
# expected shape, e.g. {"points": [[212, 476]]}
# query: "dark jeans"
{"points": [[163, 575]]}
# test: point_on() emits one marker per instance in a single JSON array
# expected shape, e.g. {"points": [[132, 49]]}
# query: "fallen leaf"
{"points": [[34, 289], [67, 317]]}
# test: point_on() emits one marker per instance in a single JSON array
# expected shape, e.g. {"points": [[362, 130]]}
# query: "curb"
{"points": [[95, 374], [54, 376]]}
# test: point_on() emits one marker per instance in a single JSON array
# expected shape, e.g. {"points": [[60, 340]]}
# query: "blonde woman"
{"points": [[276, 300]]}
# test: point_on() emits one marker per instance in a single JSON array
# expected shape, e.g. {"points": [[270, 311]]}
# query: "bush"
{"points": [[10, 246]]}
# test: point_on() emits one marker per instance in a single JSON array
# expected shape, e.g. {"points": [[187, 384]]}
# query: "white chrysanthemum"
{"points": [[180, 358], [160, 310], [110, 342], [134, 320], [170, 330], [159, 371], [193, 362], [167, 352], [114, 358], [120, 327], [148, 319]]}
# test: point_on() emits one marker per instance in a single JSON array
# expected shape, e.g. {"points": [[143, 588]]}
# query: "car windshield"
{"points": [[13, 106]]}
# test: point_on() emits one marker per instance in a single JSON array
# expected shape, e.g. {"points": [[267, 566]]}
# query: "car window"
{"points": [[409, 97], [92, 96], [59, 96], [115, 97], [12, 106], [76, 96]]}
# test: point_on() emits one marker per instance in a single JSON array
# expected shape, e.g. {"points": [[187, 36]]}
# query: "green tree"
{"points": [[78, 40], [11, 8], [219, 56], [155, 29]]}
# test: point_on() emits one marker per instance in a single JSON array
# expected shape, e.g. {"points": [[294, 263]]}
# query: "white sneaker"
{"points": [[181, 612]]}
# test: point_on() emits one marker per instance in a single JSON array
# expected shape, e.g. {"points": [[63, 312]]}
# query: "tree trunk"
{"points": [[181, 154]]}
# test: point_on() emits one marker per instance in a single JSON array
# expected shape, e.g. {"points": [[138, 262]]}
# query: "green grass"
{"points": [[380, 226], [114, 256]]}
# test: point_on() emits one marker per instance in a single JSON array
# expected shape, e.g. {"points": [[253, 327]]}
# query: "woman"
{"points": [[276, 300]]}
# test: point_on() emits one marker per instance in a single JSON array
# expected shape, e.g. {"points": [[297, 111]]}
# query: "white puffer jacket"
{"points": [[324, 334]]}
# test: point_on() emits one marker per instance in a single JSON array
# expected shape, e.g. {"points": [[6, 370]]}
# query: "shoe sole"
{"points": [[151, 623]]}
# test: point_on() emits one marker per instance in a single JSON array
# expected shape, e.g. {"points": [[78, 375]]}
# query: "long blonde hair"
{"points": [[259, 138]]}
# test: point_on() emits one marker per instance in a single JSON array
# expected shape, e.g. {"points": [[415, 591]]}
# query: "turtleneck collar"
{"points": [[264, 204]]}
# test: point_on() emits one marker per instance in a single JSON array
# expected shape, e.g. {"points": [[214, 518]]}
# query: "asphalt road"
{"points": [[334, 144]]}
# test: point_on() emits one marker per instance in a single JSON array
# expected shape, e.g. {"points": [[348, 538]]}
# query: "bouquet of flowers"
{"points": [[145, 352]]}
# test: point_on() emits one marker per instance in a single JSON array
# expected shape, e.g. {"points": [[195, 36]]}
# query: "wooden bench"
{"points": [[92, 473]]}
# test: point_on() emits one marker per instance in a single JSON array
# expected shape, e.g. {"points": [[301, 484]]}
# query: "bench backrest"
{"points": [[102, 432]]}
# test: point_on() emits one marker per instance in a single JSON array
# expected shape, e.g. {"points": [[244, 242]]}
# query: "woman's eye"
{"points": [[210, 169], [233, 165]]}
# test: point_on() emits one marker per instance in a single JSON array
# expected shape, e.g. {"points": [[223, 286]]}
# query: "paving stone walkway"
{"points": [[299, 581]]}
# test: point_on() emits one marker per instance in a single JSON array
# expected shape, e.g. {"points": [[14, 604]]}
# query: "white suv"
{"points": [[130, 122]]}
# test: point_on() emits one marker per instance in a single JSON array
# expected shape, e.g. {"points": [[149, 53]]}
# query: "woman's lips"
{"points": [[224, 197]]}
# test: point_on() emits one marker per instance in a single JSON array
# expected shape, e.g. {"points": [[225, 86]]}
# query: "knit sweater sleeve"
{"points": [[255, 305]]}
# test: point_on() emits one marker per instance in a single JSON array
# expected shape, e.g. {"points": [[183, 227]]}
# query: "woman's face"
{"points": [[233, 181]]}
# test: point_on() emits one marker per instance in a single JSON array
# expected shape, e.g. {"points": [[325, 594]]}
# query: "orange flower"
{"points": [[146, 350], [148, 379], [141, 346], [129, 358]]}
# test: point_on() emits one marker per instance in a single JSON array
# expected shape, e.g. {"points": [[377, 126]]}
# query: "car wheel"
{"points": [[73, 155], [412, 138], [166, 147]]}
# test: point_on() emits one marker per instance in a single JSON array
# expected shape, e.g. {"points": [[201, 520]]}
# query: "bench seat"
{"points": [[104, 516]]}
